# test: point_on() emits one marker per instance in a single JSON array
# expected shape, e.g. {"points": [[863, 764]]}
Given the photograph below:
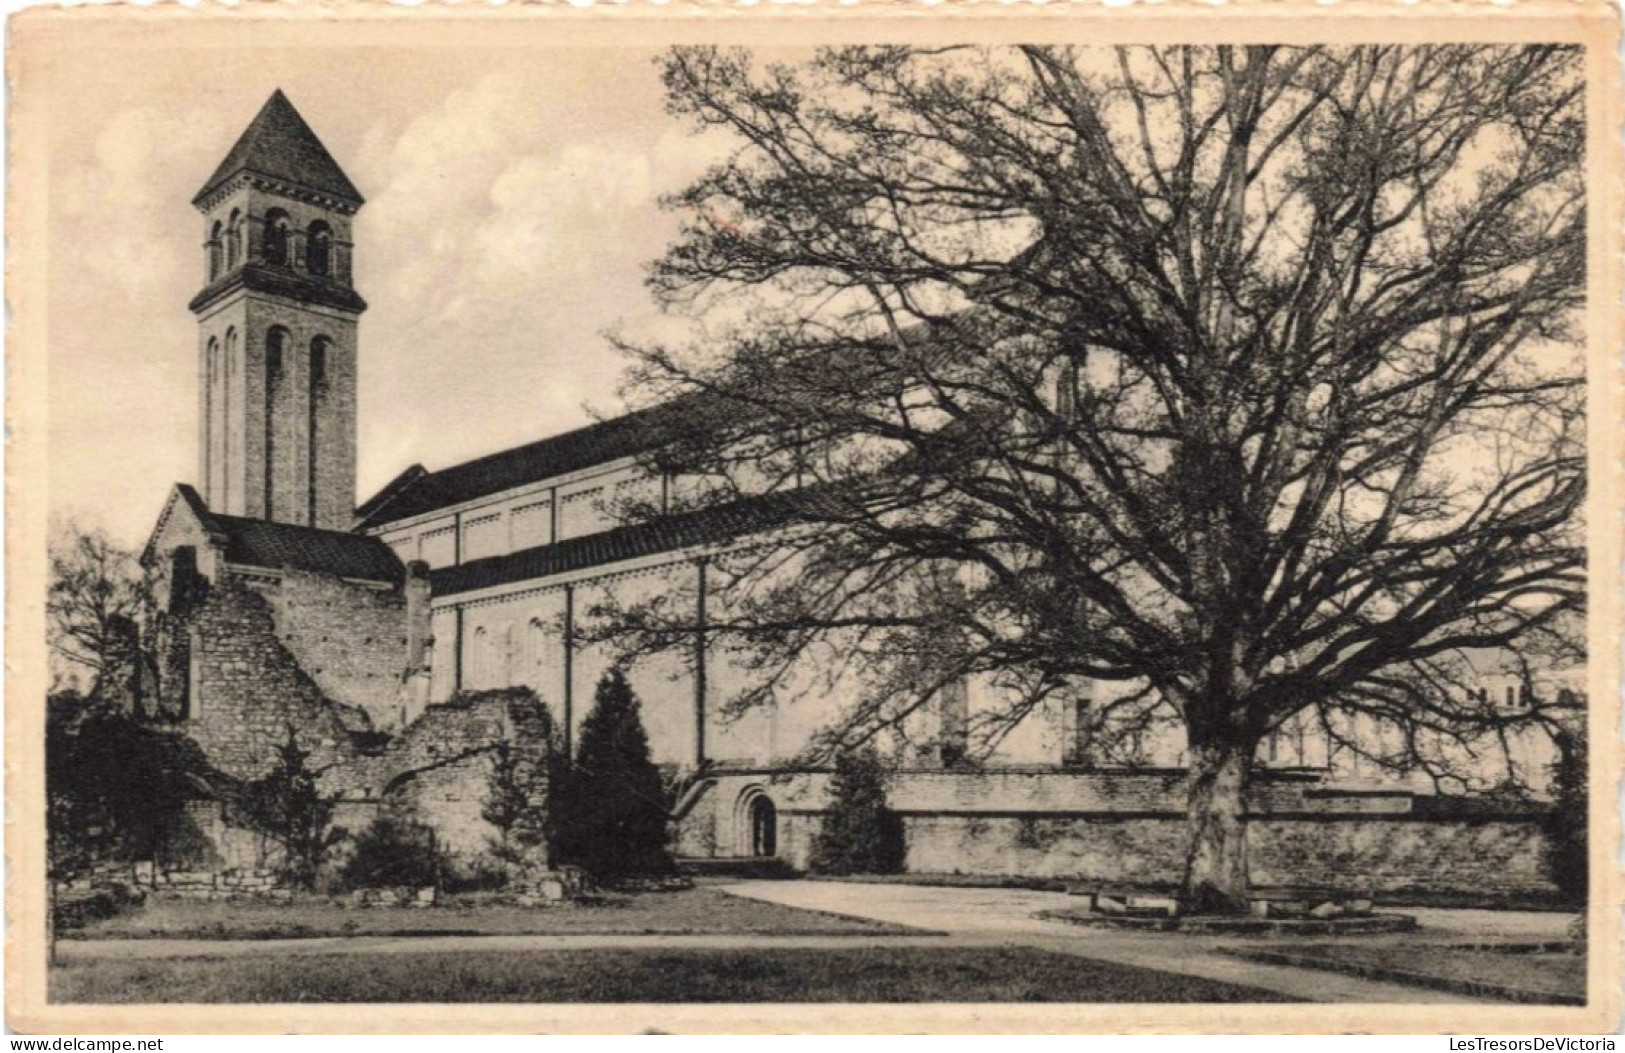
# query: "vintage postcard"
{"points": [[1058, 520]]}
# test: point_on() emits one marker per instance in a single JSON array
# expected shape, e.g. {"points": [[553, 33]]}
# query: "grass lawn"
{"points": [[697, 910], [1557, 975], [880, 974]]}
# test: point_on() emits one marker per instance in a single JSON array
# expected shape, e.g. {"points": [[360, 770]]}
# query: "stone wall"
{"points": [[1488, 855], [439, 770], [1131, 827], [1384, 854], [351, 640], [246, 689]]}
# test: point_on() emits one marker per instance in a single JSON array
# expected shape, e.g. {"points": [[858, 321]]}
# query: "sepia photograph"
{"points": [[682, 515]]}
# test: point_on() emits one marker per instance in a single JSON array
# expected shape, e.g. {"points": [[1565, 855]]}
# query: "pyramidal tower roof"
{"points": [[279, 145]]}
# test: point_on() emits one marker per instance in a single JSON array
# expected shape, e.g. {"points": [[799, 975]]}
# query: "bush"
{"points": [[116, 790], [1568, 859], [392, 853], [516, 805], [486, 873], [609, 808], [288, 807], [70, 912], [859, 835]]}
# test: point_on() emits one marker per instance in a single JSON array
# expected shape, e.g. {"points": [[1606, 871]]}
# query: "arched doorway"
{"points": [[764, 826]]}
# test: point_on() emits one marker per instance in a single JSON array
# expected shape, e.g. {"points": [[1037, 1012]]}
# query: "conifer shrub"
{"points": [[859, 834], [1568, 857], [609, 805]]}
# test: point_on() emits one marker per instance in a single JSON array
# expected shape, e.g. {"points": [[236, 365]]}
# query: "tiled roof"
{"points": [[280, 145], [258, 543], [415, 493], [666, 534]]}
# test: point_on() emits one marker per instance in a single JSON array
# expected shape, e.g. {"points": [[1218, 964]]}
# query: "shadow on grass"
{"points": [[699, 911], [881, 974], [1538, 974]]}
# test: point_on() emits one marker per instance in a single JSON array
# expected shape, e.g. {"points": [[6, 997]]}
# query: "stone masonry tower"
{"points": [[277, 322]]}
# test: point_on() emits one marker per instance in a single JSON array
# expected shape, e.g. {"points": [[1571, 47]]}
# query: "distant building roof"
{"points": [[275, 546], [666, 534], [417, 491], [279, 144]]}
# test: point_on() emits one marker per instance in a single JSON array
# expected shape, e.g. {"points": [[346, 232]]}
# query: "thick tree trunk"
{"points": [[1216, 861]]}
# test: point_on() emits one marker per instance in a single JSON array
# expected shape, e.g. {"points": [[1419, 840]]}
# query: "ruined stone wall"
{"points": [[247, 689], [350, 639], [255, 658], [438, 771]]}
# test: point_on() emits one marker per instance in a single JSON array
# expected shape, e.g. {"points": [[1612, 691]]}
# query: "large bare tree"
{"points": [[99, 610], [1248, 378]]}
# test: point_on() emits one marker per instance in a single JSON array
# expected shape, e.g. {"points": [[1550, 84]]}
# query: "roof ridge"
{"points": [[589, 445]]}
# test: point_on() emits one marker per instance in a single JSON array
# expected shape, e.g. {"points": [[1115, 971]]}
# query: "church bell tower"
{"points": [[277, 328]]}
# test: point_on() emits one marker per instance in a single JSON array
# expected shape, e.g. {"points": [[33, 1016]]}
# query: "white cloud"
{"points": [[115, 212], [507, 231]]}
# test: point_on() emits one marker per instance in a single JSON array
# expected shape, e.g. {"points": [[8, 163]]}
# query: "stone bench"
{"points": [[1106, 898], [1309, 901], [1294, 901]]}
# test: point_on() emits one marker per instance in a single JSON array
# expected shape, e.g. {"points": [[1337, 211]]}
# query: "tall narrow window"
{"points": [[275, 243], [211, 420], [276, 342], [535, 656], [955, 718], [1066, 416], [234, 240], [228, 424], [1066, 393], [319, 249], [482, 658], [215, 249], [319, 384], [1076, 746], [506, 659], [192, 702]]}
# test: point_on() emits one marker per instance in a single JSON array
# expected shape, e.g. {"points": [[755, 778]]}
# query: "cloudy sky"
{"points": [[511, 205]]}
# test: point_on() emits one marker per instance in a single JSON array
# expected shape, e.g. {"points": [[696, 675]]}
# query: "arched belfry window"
{"points": [[319, 249], [216, 249], [234, 240], [276, 238]]}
